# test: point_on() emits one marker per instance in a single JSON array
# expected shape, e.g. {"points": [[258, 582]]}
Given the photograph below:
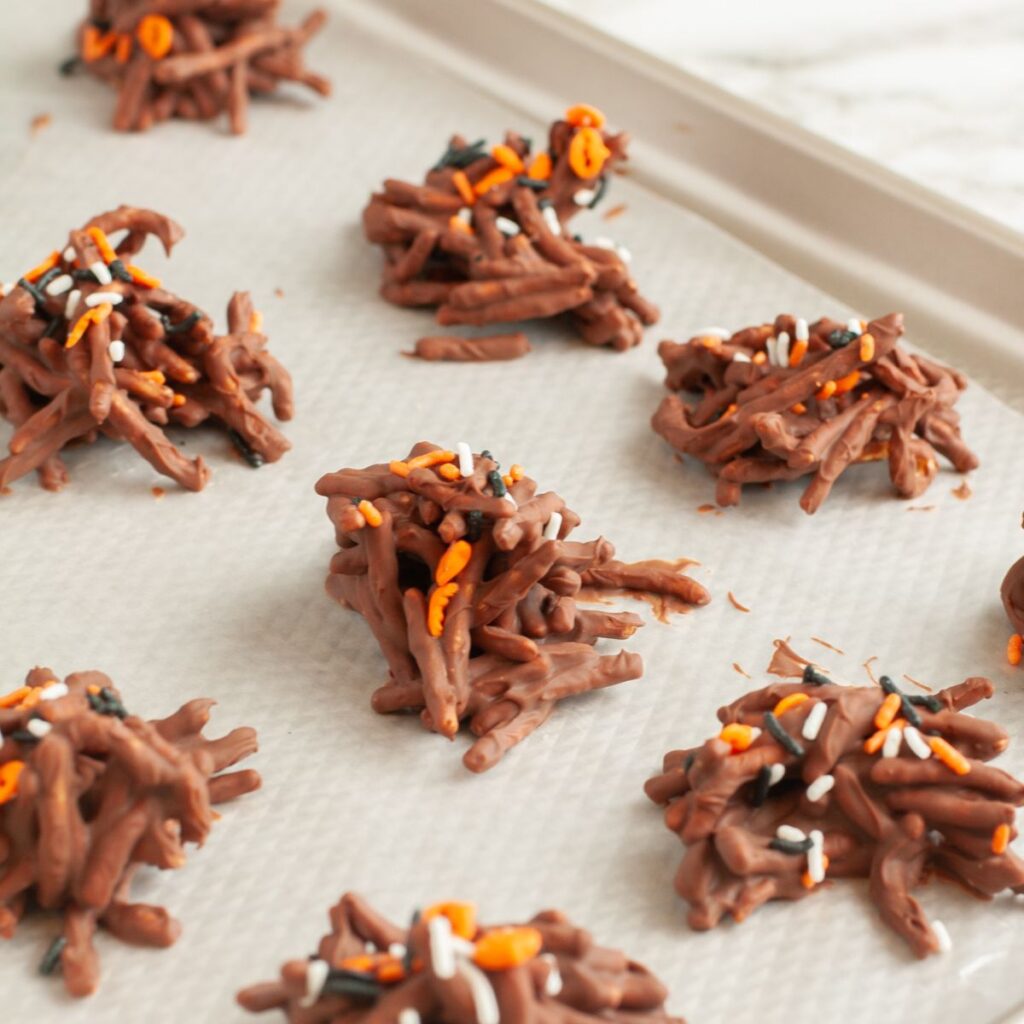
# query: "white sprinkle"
{"points": [[782, 348], [819, 787], [917, 742], [512, 501], [369, 946], [408, 1016], [772, 345], [584, 196], [72, 303], [59, 285], [603, 243], [800, 332], [853, 324], [816, 857], [506, 225], [39, 727], [624, 254], [776, 774], [70, 254], [101, 272], [893, 741], [485, 1002], [442, 953], [463, 947], [553, 526], [465, 215], [116, 351], [551, 219], [54, 691], [5, 289], [397, 950], [791, 833], [316, 978], [754, 733], [714, 332], [465, 458], [942, 934], [114, 298], [813, 721], [553, 982], [741, 357]]}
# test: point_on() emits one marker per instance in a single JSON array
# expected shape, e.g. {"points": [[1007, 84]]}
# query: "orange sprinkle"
{"points": [[507, 480], [102, 243], [48, 264], [93, 689], [399, 468], [456, 223], [439, 599], [492, 179], [390, 970], [799, 408], [178, 401], [508, 157], [449, 471], [1015, 649], [709, 341], [10, 772], [848, 383], [797, 353], [140, 277], [887, 713], [583, 115], [430, 459], [516, 472], [256, 322], [96, 44], [806, 878], [453, 561], [791, 700], [505, 948], [370, 513], [828, 389], [15, 697], [96, 315], [461, 916], [588, 153], [759, 358], [153, 375], [1000, 839], [949, 755], [465, 189], [540, 167], [155, 34], [729, 411], [873, 744], [123, 49], [364, 962], [738, 736], [867, 348]]}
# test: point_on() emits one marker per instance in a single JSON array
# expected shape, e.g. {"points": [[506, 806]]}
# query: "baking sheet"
{"points": [[220, 593]]}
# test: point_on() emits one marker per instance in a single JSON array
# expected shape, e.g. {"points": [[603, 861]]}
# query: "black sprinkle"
{"points": [[762, 785], [119, 271], [183, 325], [789, 846], [497, 484], [812, 677], [24, 736], [38, 297], [841, 338], [688, 763], [578, 238], [534, 183], [933, 704], [907, 704], [106, 702], [69, 66], [51, 958], [252, 456], [84, 275], [407, 959], [351, 983], [543, 204], [52, 327], [52, 273], [460, 156], [602, 188], [774, 726], [474, 524]]}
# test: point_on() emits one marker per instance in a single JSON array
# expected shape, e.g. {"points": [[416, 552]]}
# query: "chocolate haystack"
{"points": [[812, 780], [787, 400], [486, 238], [88, 794], [1012, 593], [193, 59], [470, 586], [90, 344], [445, 967]]}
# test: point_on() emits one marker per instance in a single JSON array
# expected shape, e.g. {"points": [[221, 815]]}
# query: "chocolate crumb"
{"points": [[736, 604], [40, 122]]}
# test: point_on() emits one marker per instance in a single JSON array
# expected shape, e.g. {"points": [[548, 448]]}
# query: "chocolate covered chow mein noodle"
{"points": [[1012, 593], [470, 584], [193, 59], [88, 794], [485, 239], [446, 967], [808, 781], [91, 344], [786, 400]]}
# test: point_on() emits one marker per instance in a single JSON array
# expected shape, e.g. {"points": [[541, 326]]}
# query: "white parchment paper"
{"points": [[221, 593]]}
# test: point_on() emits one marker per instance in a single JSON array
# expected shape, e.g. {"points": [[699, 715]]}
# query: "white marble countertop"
{"points": [[931, 88]]}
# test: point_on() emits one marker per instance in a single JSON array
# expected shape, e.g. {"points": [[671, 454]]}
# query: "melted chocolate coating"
{"points": [[512, 641], [1012, 593], [367, 969], [836, 402], [89, 794], [891, 818], [59, 390]]}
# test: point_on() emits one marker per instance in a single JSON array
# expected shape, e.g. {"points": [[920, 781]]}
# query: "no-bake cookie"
{"points": [[88, 794], [486, 238], [790, 399], [446, 967], [470, 584], [193, 59], [91, 344], [1012, 593], [809, 781]]}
